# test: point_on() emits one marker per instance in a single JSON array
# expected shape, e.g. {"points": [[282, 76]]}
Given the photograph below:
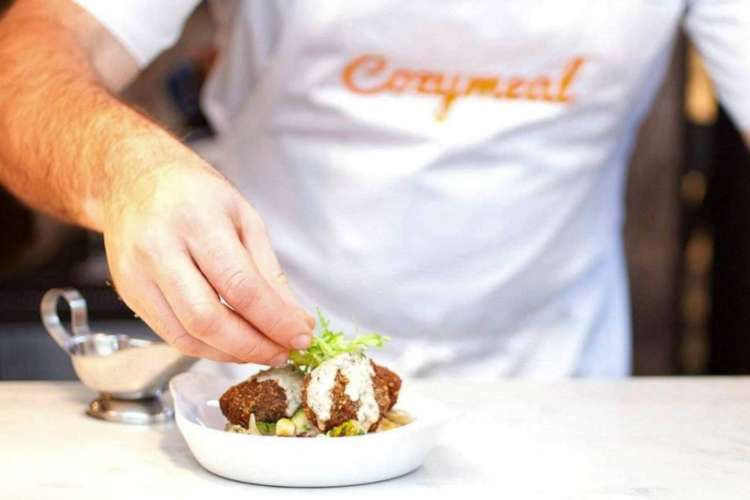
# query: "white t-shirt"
{"points": [[449, 173]]}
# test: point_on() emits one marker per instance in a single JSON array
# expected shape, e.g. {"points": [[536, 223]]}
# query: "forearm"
{"points": [[65, 141]]}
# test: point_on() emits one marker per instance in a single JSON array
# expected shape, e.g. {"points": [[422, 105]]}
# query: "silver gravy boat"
{"points": [[129, 374]]}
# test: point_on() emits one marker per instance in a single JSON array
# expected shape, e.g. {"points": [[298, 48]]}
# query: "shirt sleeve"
{"points": [[720, 29], [144, 27]]}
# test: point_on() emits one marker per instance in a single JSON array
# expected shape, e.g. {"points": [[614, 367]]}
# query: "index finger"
{"points": [[198, 310], [228, 266]]}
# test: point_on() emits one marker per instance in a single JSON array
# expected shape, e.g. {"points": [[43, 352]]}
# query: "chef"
{"points": [[449, 173]]}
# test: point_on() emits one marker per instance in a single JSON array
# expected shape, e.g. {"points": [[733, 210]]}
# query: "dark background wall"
{"points": [[728, 213]]}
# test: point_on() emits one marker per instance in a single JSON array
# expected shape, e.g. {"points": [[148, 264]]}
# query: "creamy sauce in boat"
{"points": [[359, 372], [288, 379]]}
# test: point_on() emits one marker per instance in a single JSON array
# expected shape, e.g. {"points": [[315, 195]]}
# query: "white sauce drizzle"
{"points": [[290, 380], [359, 372]]}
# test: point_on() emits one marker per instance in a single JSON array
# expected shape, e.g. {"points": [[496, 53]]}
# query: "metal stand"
{"points": [[129, 374], [134, 411]]}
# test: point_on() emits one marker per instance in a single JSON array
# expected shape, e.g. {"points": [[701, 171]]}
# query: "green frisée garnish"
{"points": [[348, 428], [328, 344]]}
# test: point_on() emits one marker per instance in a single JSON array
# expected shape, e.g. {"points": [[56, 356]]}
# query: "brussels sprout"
{"points": [[285, 427], [348, 428], [302, 425], [266, 428]]}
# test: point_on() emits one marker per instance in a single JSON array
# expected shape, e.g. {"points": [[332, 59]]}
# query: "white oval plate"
{"points": [[281, 461]]}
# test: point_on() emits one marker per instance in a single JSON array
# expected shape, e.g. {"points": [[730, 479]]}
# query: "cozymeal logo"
{"points": [[372, 74]]}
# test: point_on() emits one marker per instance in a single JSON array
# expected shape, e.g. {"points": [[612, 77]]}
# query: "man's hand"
{"points": [[179, 237]]}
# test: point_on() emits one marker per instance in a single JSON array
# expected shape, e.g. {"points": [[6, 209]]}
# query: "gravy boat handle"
{"points": [[79, 323]]}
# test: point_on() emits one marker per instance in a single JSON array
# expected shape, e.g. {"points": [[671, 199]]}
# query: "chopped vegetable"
{"points": [[266, 428], [238, 429], [301, 423], [285, 427], [386, 425], [252, 428], [348, 428], [393, 420], [399, 417], [329, 344]]}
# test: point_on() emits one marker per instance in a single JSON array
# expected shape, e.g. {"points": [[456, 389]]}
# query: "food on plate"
{"points": [[349, 387], [269, 395], [332, 388], [388, 381]]}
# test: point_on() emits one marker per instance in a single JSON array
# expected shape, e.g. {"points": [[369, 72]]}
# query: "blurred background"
{"points": [[687, 230]]}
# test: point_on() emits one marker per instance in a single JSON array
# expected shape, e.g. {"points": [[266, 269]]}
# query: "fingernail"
{"points": [[309, 320], [301, 341], [279, 360]]}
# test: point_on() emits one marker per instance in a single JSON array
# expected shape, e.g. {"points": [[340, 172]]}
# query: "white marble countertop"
{"points": [[636, 439]]}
